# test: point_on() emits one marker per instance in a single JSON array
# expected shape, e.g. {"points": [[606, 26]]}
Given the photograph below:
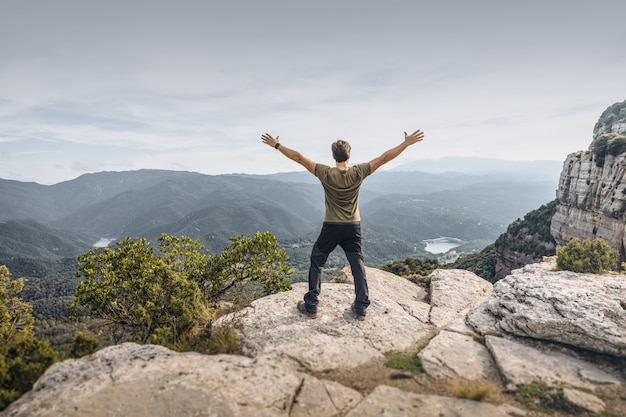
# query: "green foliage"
{"points": [[412, 266], [482, 263], [591, 256], [23, 358], [246, 259], [607, 144], [408, 363], [84, 345], [540, 397], [160, 296], [16, 321], [536, 223], [142, 293]]}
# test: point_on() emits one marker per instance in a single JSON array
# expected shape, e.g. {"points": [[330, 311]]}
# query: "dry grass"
{"points": [[473, 390]]}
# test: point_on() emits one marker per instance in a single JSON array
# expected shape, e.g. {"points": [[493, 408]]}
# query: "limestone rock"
{"points": [[583, 310], [453, 292], [588, 402], [453, 355], [324, 398], [592, 201], [132, 380], [392, 402], [397, 320], [520, 364]]}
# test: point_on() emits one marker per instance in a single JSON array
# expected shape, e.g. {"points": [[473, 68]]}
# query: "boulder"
{"points": [[453, 292], [454, 355], [583, 400], [397, 320], [582, 310], [146, 380], [323, 398], [520, 364]]}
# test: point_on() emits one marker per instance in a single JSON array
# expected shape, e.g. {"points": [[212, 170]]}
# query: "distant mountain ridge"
{"points": [[400, 209]]}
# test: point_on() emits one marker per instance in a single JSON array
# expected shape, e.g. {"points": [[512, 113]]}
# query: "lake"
{"points": [[442, 244]]}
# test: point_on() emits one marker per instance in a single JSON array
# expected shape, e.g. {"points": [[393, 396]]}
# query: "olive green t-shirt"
{"points": [[341, 191]]}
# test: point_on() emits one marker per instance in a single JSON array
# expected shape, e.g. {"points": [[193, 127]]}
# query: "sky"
{"points": [[89, 86]]}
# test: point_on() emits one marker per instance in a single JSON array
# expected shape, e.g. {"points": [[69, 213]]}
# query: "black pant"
{"points": [[348, 236]]}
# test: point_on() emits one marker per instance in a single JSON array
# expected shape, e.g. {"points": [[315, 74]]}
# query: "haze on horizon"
{"points": [[192, 85]]}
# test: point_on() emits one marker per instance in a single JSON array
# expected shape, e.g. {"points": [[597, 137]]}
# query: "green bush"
{"points": [[590, 256], [607, 144]]}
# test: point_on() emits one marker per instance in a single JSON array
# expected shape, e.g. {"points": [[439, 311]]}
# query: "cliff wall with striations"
{"points": [[592, 187]]}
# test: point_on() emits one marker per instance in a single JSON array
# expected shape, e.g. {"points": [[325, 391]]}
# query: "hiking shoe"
{"points": [[359, 317], [302, 309]]}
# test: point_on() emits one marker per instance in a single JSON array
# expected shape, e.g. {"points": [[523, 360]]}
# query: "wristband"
{"points": [[277, 145]]}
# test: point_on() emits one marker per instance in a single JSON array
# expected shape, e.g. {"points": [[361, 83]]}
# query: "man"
{"points": [[342, 220]]}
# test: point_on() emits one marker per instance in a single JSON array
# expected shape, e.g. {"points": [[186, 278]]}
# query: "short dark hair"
{"points": [[341, 150]]}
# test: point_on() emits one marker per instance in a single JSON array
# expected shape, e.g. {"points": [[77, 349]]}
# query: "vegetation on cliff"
{"points": [[606, 140], [589, 256], [607, 144]]}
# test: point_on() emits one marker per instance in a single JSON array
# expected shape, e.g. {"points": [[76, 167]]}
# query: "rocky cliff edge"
{"points": [[536, 325]]}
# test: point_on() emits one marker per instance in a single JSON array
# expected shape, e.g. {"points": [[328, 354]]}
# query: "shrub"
{"points": [[408, 363], [472, 390], [84, 345], [607, 144], [590, 256], [541, 397]]}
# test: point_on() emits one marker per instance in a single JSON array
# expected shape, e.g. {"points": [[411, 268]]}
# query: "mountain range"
{"points": [[400, 209]]}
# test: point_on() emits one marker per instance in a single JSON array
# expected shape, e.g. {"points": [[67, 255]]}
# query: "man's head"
{"points": [[341, 150]]}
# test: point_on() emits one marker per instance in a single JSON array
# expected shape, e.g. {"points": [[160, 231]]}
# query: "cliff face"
{"points": [[592, 187], [526, 241]]}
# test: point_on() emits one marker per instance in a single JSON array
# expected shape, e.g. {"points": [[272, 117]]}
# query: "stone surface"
{"points": [[584, 400], [582, 310], [133, 380], [520, 364], [287, 349], [324, 398], [453, 292], [397, 320], [391, 402], [454, 355]]}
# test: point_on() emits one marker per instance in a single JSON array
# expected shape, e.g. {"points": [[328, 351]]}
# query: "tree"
{"points": [[23, 358], [591, 256], [159, 296], [245, 260], [142, 293]]}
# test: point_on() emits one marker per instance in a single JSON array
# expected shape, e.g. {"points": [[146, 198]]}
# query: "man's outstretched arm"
{"points": [[409, 140], [289, 153]]}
